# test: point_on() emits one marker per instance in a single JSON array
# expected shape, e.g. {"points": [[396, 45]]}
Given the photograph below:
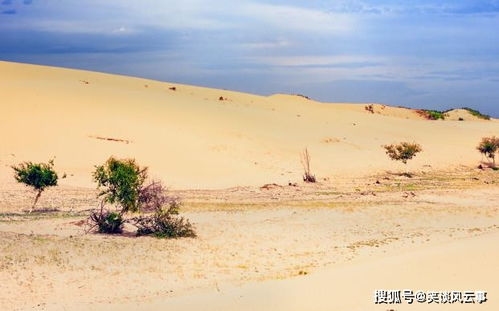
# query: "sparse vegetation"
{"points": [[305, 161], [432, 114], [403, 151], [369, 108], [489, 146], [304, 96], [120, 182], [165, 222], [477, 113], [107, 222], [39, 176]]}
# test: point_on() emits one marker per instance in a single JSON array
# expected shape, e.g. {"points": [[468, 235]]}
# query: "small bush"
{"points": [[39, 176], [152, 197], [120, 182], [477, 113], [164, 225], [488, 147], [107, 222], [432, 114], [403, 151], [305, 161]]}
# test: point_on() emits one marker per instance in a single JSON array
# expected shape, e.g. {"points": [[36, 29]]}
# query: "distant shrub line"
{"points": [[477, 113], [432, 114], [441, 115]]}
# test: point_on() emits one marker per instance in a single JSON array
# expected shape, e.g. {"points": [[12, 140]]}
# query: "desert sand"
{"points": [[266, 240], [191, 139]]}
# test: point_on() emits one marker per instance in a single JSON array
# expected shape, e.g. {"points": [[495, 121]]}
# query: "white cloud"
{"points": [[311, 60], [267, 45], [297, 18], [93, 16]]}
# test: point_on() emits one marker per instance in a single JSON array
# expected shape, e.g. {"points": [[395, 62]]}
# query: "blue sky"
{"points": [[428, 54]]}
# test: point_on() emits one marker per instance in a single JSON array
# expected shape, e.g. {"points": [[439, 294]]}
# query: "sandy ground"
{"points": [[49, 263], [328, 289]]}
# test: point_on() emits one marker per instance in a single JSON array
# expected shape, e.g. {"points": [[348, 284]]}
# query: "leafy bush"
{"points": [[432, 114], [107, 222], [477, 113], [488, 147], [39, 176], [403, 151], [120, 182]]}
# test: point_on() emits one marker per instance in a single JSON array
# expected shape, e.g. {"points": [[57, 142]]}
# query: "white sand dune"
{"points": [[190, 138]]}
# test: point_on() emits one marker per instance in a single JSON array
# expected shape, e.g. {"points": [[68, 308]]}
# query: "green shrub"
{"points": [[39, 176], [120, 182], [403, 151], [163, 224], [432, 114], [477, 113], [488, 147], [107, 222]]}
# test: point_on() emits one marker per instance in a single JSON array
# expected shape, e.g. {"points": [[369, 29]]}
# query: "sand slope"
{"points": [[192, 139], [442, 268]]}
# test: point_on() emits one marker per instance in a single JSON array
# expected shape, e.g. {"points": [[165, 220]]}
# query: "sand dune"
{"points": [[461, 115], [193, 137]]}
